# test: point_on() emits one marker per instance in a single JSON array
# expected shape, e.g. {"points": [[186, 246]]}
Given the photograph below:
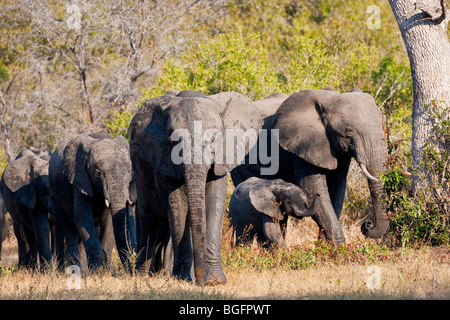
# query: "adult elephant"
{"points": [[90, 177], [25, 190], [319, 131], [178, 144]]}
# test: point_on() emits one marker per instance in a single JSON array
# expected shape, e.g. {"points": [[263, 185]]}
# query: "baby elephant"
{"points": [[262, 207]]}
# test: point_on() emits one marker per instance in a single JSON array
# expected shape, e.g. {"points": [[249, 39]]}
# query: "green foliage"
{"points": [[394, 180], [416, 221], [118, 122], [423, 217], [3, 161], [330, 60], [3, 73], [228, 62]]}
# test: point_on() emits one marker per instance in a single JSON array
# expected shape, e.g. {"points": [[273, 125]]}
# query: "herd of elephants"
{"points": [[103, 192]]}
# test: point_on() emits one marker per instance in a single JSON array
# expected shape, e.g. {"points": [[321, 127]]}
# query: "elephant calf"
{"points": [[261, 207]]}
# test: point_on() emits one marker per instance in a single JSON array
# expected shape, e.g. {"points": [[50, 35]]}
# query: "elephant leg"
{"points": [[163, 254], [272, 231], [150, 254], [72, 239], [216, 190], [151, 223], [31, 256], [39, 220], [179, 226], [84, 223], [22, 243], [337, 183], [314, 181], [59, 246], [326, 218], [283, 227], [146, 224]]}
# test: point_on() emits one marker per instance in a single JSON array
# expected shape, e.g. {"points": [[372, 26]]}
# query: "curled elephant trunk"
{"points": [[377, 224], [195, 180]]}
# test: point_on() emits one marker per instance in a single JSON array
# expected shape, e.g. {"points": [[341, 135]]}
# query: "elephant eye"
{"points": [[348, 132], [97, 173]]}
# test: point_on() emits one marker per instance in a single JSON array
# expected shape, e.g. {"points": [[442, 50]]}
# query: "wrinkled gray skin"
{"points": [[90, 179], [319, 132], [25, 190], [189, 198], [3, 223], [261, 207]]}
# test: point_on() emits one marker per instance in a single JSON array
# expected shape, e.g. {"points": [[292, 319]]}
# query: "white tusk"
{"points": [[366, 172], [107, 203]]}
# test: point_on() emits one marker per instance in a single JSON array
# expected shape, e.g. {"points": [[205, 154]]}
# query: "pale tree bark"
{"points": [[423, 25]]}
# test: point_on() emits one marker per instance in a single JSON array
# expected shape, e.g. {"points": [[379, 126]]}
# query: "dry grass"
{"points": [[413, 274], [407, 274]]}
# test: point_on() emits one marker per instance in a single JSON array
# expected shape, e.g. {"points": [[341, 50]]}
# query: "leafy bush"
{"points": [[3, 161], [3, 73], [423, 217], [227, 62], [118, 122]]}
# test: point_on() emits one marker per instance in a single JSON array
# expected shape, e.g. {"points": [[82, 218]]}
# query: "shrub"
{"points": [[423, 217], [3, 161], [227, 62], [118, 122]]}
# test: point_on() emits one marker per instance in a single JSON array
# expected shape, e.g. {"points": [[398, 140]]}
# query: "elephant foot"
{"points": [[95, 263], [183, 273], [215, 277]]}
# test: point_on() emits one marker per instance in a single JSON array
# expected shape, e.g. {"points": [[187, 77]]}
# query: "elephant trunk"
{"points": [[376, 225], [195, 179], [118, 202]]}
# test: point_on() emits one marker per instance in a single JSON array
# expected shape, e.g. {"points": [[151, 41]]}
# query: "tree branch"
{"points": [[436, 13]]}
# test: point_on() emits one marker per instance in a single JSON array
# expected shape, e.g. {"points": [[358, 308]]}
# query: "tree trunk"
{"points": [[424, 31], [5, 128]]}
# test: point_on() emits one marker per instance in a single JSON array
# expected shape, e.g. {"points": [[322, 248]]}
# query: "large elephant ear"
{"points": [[75, 171], [238, 117], [149, 141], [301, 129], [18, 178], [264, 200]]}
